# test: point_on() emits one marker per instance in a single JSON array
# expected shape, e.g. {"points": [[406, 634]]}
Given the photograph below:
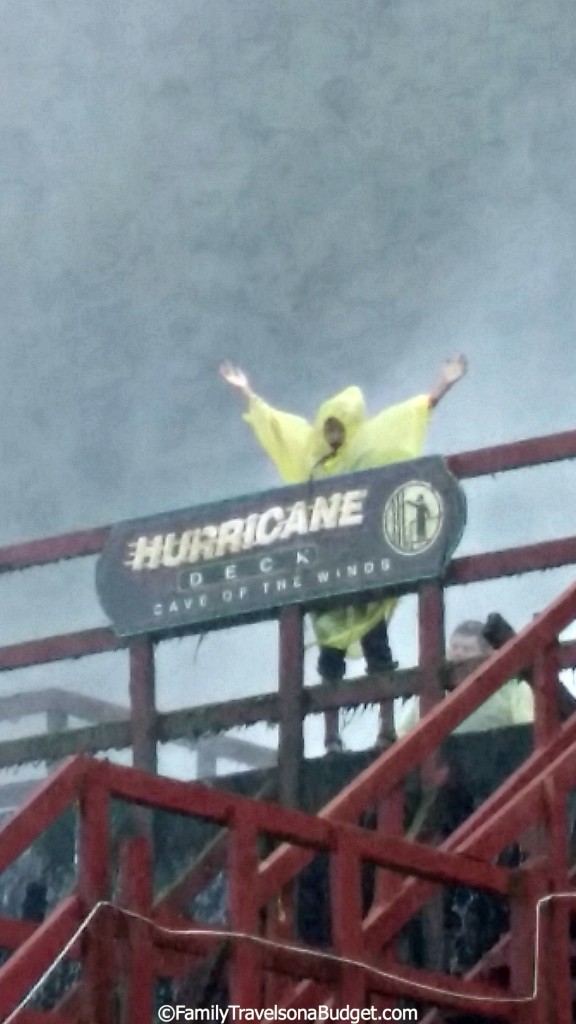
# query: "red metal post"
{"points": [[136, 896], [431, 644], [143, 705], [390, 822], [390, 819], [290, 756], [94, 887], [279, 928], [529, 887], [291, 693], [431, 658], [545, 685], [245, 975], [346, 905], [560, 974]]}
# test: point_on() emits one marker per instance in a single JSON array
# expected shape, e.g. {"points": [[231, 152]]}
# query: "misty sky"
{"points": [[325, 191]]}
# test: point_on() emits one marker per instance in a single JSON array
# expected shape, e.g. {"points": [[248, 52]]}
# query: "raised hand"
{"points": [[236, 377], [454, 369]]}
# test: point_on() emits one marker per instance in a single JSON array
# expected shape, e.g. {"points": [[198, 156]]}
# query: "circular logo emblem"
{"points": [[413, 517]]}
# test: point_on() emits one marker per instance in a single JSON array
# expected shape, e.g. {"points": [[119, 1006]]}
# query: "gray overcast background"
{"points": [[325, 191]]}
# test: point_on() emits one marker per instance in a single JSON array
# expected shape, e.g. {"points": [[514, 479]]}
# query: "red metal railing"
{"points": [[144, 726], [531, 802], [121, 955]]}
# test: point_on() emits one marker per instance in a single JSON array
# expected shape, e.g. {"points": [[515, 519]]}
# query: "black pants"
{"points": [[376, 649]]}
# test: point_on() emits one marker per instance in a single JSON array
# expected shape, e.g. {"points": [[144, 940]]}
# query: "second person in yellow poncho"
{"points": [[342, 439]]}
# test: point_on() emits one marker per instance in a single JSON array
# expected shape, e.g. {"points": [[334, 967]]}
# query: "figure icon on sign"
{"points": [[420, 522], [413, 517]]}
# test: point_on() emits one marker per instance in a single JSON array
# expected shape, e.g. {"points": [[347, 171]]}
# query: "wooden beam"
{"points": [[56, 746], [59, 648], [143, 705], [517, 455], [53, 549], [492, 565], [290, 699]]}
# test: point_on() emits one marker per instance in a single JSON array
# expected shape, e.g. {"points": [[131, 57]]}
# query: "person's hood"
{"points": [[348, 407]]}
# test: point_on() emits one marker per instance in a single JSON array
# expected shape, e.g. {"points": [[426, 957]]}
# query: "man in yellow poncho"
{"points": [[343, 440]]}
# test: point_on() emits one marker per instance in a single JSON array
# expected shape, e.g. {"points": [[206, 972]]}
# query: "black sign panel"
{"points": [[244, 558]]}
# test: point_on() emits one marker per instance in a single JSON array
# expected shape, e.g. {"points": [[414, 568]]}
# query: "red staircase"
{"points": [[129, 936], [115, 934]]}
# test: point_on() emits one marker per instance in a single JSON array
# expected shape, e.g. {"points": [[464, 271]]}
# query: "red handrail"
{"points": [[533, 798]]}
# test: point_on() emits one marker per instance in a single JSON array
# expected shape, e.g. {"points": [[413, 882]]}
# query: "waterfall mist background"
{"points": [[323, 191]]}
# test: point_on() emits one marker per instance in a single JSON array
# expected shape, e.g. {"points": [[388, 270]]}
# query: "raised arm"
{"points": [[237, 379], [283, 436], [452, 371]]}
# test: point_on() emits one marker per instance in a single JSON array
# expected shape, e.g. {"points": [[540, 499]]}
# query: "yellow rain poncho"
{"points": [[300, 452]]}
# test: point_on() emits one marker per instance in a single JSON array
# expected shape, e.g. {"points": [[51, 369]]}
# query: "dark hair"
{"points": [[473, 628]]}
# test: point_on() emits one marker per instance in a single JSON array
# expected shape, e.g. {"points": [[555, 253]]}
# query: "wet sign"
{"points": [[239, 560]]}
